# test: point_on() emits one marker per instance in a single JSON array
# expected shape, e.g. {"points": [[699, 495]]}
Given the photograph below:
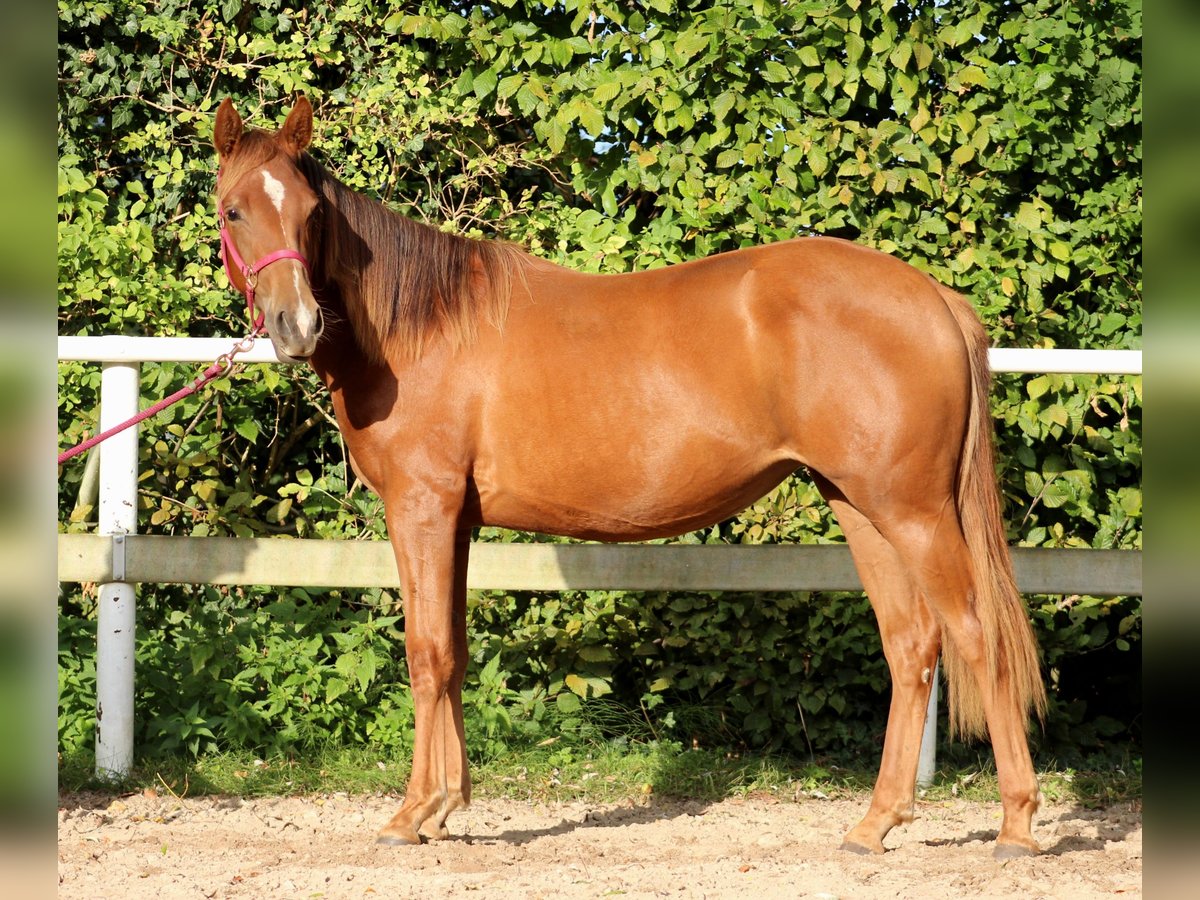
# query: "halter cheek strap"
{"points": [[231, 259]]}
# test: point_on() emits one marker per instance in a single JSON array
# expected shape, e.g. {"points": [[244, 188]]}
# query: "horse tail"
{"points": [[1010, 646]]}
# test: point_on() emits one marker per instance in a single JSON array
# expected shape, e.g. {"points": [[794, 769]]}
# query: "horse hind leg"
{"points": [[981, 687], [910, 635]]}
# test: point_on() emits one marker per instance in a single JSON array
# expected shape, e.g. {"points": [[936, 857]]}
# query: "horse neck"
{"points": [[343, 256], [404, 285]]}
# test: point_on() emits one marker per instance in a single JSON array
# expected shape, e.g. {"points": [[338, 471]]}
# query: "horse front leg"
{"points": [[449, 737], [432, 561]]}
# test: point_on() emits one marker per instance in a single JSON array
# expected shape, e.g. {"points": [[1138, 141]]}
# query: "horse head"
{"points": [[265, 204]]}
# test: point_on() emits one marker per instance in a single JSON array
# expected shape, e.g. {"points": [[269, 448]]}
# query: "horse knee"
{"points": [[433, 667]]}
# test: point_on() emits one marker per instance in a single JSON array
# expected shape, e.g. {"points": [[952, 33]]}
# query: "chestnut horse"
{"points": [[475, 384]]}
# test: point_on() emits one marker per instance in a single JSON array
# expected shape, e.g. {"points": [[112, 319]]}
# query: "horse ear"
{"points": [[228, 129], [296, 132]]}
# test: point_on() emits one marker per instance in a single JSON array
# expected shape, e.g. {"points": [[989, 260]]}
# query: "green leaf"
{"points": [[775, 72], [596, 653], [591, 119], [818, 161], [1038, 386], [484, 83], [334, 688], [1058, 493], [1055, 414], [247, 428], [920, 119], [855, 46], [598, 686], [1131, 500], [722, 104], [365, 670], [488, 673], [1029, 217], [557, 137], [577, 685], [727, 158], [607, 91], [690, 43], [527, 101], [509, 86], [1111, 323], [972, 75]]}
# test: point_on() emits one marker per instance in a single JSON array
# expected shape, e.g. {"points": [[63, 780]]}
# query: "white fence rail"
{"points": [[111, 348], [117, 559]]}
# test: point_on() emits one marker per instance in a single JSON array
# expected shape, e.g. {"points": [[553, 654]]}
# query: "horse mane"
{"points": [[404, 283]]}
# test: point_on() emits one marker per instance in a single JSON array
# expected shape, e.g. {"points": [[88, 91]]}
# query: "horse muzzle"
{"points": [[295, 332]]}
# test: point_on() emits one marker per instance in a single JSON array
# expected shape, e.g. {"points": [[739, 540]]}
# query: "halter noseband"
{"points": [[231, 258]]}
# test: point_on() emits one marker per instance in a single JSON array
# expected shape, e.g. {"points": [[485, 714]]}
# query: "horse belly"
{"points": [[633, 476]]}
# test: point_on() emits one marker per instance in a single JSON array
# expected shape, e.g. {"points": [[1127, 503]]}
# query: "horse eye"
{"points": [[233, 215]]}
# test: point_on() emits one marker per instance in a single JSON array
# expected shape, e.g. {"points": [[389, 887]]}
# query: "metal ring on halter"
{"points": [[251, 275], [243, 345]]}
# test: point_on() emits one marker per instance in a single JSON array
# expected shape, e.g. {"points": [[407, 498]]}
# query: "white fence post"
{"points": [[115, 610], [927, 761]]}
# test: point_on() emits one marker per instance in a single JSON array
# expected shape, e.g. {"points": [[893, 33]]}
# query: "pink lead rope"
{"points": [[224, 362]]}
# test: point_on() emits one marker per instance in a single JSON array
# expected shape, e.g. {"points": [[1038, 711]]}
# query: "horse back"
{"points": [[648, 404]]}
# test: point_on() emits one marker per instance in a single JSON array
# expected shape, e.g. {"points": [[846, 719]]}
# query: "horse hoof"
{"points": [[432, 834], [1013, 851], [398, 840], [852, 847]]}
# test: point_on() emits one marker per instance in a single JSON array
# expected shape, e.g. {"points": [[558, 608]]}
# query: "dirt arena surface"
{"points": [[323, 847]]}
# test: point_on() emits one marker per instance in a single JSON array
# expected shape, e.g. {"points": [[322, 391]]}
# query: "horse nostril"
{"points": [[318, 322], [280, 324]]}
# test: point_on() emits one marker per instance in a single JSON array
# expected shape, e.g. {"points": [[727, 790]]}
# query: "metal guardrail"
{"points": [[159, 559]]}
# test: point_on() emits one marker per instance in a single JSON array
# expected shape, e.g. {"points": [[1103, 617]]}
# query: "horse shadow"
{"points": [[655, 810], [1108, 830]]}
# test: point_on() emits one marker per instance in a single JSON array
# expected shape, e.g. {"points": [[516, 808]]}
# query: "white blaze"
{"points": [[304, 317], [275, 190]]}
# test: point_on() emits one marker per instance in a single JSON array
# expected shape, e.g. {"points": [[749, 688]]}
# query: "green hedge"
{"points": [[995, 146], [795, 672]]}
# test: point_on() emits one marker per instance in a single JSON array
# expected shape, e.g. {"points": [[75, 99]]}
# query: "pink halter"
{"points": [[229, 254]]}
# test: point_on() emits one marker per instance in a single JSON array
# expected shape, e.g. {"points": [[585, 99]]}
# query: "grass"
{"points": [[602, 772]]}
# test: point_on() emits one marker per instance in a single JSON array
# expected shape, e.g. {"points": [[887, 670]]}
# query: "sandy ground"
{"points": [[323, 847]]}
